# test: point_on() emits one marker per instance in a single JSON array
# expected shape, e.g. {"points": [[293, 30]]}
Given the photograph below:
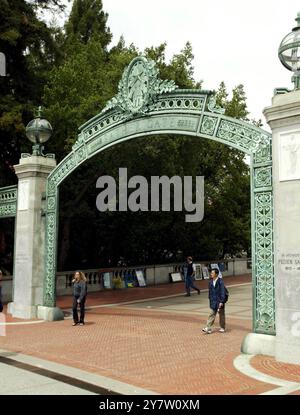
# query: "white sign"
{"points": [[198, 273], [289, 156], [140, 278], [23, 195], [205, 273], [107, 279], [176, 276]]}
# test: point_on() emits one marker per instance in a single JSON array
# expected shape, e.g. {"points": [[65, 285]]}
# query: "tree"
{"points": [[87, 22], [237, 106], [29, 47]]}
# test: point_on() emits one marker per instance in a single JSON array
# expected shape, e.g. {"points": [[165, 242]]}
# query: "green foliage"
{"points": [[30, 50], [87, 22], [74, 73], [180, 69]]}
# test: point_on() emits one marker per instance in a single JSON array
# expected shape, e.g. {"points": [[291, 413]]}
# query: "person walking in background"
{"points": [[1, 305], [216, 295], [79, 297], [189, 270]]}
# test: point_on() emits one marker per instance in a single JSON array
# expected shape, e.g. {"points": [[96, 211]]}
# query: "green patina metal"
{"points": [[8, 202], [146, 105]]}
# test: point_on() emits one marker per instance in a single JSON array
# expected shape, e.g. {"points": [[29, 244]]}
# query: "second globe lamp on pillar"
{"points": [[289, 52], [38, 131]]}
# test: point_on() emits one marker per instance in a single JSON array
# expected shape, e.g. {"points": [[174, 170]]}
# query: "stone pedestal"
{"points": [[284, 119], [255, 343], [29, 260]]}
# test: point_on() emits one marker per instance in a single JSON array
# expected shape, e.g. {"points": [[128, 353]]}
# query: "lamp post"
{"points": [[29, 258], [289, 52], [38, 131]]}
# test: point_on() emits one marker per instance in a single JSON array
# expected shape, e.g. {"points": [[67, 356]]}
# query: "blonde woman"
{"points": [[79, 296]]}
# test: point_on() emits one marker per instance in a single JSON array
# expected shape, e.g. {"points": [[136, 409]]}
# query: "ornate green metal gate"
{"points": [[8, 202], [146, 105]]}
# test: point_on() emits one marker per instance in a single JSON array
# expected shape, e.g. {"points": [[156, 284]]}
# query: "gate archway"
{"points": [[146, 105]]}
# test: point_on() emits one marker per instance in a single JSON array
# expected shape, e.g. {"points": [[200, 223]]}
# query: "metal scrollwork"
{"points": [[213, 107], [264, 310], [8, 201], [139, 87], [263, 177], [208, 125]]}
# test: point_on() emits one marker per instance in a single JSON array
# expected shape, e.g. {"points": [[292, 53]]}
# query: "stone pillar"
{"points": [[284, 119], [29, 258]]}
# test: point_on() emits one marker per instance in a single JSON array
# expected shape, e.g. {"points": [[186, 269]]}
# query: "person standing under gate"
{"points": [[79, 297], [189, 271], [216, 295]]}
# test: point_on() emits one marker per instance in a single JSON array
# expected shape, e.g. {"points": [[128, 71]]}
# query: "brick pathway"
{"points": [[163, 352]]}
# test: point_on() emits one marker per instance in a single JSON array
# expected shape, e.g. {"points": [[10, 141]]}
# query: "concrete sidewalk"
{"points": [[17, 381], [149, 340]]}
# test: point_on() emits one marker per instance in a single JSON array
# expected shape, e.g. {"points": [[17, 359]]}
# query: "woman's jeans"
{"points": [[75, 313]]}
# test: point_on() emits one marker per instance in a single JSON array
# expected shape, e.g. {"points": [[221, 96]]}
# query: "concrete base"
{"points": [[287, 352], [22, 311], [10, 307], [50, 313], [255, 343]]}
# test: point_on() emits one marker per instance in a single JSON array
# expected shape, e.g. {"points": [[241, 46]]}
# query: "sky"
{"points": [[235, 41]]}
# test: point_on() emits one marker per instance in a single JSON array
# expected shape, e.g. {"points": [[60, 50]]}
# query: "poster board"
{"points": [[140, 277], [176, 276], [117, 282], [205, 273], [198, 272], [130, 280], [107, 280], [217, 266]]}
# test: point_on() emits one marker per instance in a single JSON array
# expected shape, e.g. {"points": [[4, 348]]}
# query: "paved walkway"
{"points": [[146, 341]]}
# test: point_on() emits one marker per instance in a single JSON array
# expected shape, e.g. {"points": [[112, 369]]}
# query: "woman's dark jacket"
{"points": [[79, 289]]}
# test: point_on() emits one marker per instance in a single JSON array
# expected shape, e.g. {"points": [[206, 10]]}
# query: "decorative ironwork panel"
{"points": [[179, 102], [208, 125], [8, 201], [263, 177], [61, 172], [264, 152], [248, 138], [264, 310], [51, 249]]}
